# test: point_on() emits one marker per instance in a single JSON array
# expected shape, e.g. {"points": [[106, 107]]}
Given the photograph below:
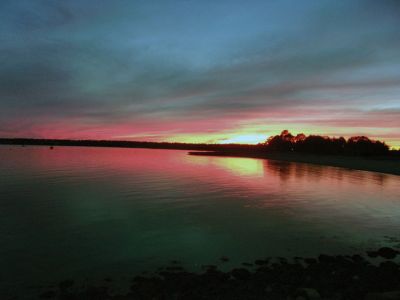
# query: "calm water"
{"points": [[85, 212]]}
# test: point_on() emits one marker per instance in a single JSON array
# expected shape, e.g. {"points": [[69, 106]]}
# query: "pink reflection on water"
{"points": [[254, 175]]}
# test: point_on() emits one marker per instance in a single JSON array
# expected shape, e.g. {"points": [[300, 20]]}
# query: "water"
{"points": [[95, 212]]}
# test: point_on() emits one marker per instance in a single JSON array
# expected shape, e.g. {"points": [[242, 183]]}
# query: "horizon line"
{"points": [[161, 142]]}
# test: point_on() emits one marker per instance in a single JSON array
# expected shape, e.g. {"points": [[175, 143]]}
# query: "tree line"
{"points": [[357, 145]]}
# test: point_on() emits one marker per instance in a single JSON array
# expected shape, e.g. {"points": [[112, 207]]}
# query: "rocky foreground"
{"points": [[325, 277]]}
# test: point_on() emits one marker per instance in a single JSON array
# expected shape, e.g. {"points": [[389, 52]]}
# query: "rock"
{"points": [[387, 252], [393, 295], [240, 274], [224, 259], [372, 254], [283, 260], [175, 262], [310, 261], [174, 268], [323, 258], [260, 262], [65, 284], [307, 293], [209, 267], [48, 295], [357, 258]]}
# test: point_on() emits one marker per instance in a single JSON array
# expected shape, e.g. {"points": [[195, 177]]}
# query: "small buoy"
{"points": [[51, 147]]}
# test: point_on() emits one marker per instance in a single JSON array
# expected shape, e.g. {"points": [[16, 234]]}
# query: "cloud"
{"points": [[126, 64]]}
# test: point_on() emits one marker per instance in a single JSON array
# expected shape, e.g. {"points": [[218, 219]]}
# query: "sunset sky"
{"points": [[199, 71]]}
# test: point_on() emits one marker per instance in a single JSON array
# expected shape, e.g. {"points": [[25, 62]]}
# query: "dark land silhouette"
{"points": [[127, 144], [357, 145]]}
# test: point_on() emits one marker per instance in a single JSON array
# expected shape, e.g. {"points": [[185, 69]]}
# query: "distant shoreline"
{"points": [[128, 144], [388, 165]]}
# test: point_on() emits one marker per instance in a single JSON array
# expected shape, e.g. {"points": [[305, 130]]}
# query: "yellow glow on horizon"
{"points": [[259, 132], [220, 138], [245, 139]]}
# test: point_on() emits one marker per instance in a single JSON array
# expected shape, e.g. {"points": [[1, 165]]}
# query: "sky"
{"points": [[199, 71]]}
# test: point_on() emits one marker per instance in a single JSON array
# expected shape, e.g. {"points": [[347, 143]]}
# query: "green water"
{"points": [[95, 212]]}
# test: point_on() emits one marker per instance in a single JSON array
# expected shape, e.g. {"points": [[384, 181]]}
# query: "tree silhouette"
{"points": [[358, 145]]}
